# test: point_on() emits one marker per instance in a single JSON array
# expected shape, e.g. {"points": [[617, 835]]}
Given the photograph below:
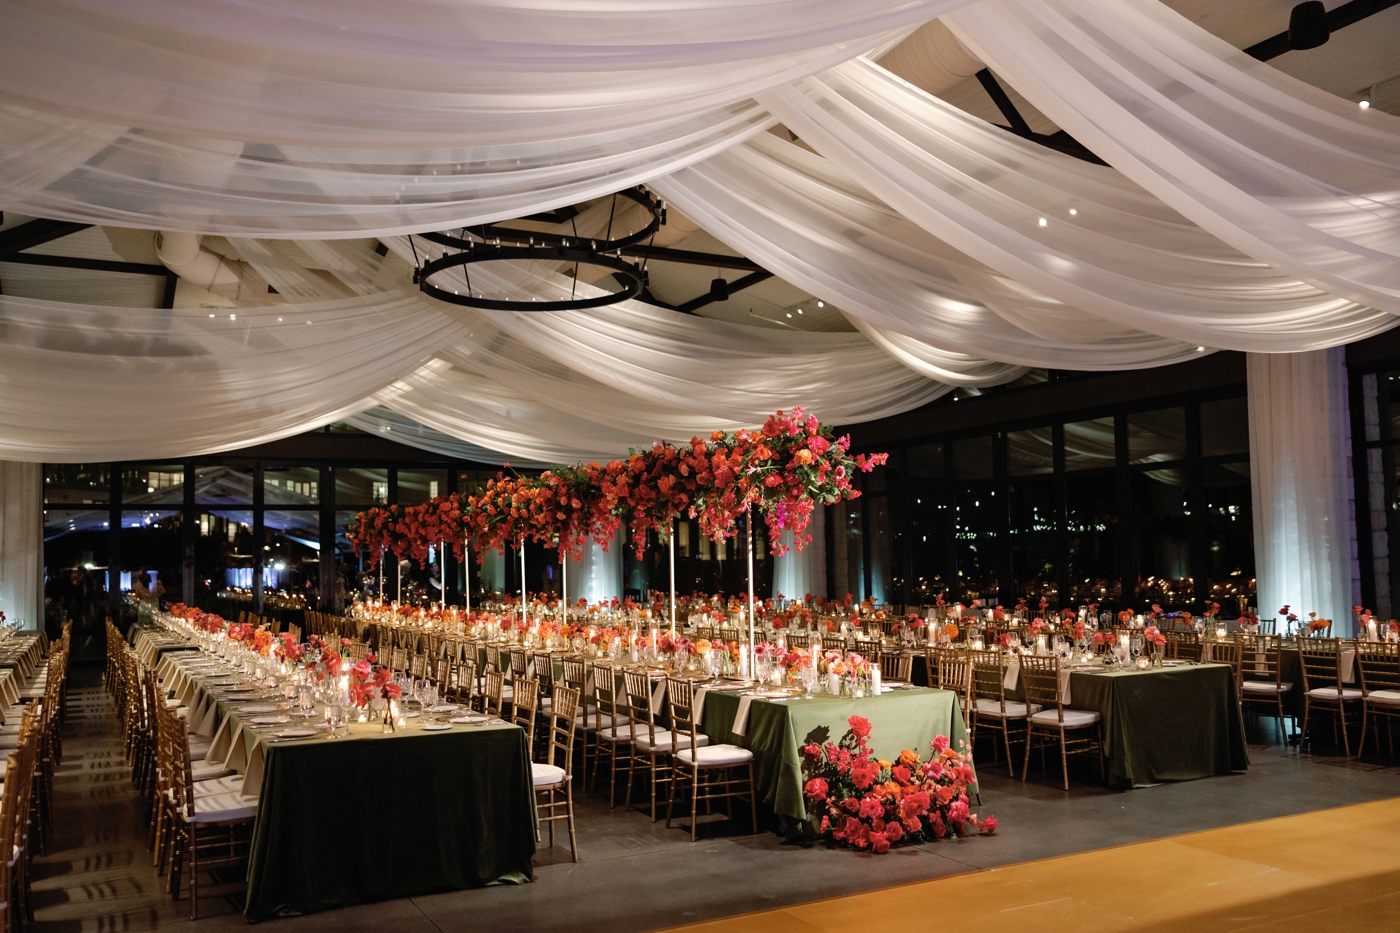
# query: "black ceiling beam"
{"points": [[1345, 15], [77, 262], [1060, 141], [689, 257], [35, 233], [752, 278]]}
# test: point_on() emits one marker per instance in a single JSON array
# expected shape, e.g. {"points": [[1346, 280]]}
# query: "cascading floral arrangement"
{"points": [[784, 469], [871, 804]]}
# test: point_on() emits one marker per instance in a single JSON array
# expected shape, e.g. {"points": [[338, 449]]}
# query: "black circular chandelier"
{"points": [[496, 243]]}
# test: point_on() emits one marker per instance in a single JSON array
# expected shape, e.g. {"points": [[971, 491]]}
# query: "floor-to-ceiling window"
{"points": [[1127, 505]]}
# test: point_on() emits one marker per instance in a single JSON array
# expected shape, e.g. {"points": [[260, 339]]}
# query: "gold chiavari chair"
{"points": [[440, 674], [954, 672], [896, 666], [651, 745], [867, 648], [728, 634], [493, 658], [1040, 682], [295, 632], [492, 690], [524, 707], [398, 659], [519, 664], [213, 823], [1184, 645], [990, 705], [357, 650], [1268, 626], [1321, 661], [1231, 652], [799, 641], [613, 738], [833, 643], [418, 666], [708, 770], [1378, 672], [1262, 687], [461, 685], [574, 673], [553, 779]]}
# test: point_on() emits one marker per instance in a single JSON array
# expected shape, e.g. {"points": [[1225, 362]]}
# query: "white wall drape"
{"points": [[598, 576], [797, 573], [21, 543], [1300, 474]]}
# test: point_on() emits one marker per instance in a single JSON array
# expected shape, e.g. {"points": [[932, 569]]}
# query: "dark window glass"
{"points": [[76, 483], [1089, 444], [931, 541], [291, 553], [354, 486], [1157, 436], [1035, 541], [1030, 452], [925, 463], [1162, 537], [1225, 427], [887, 478], [293, 486], [1093, 526], [418, 486], [153, 484], [976, 529], [223, 485], [1229, 538], [972, 458]]}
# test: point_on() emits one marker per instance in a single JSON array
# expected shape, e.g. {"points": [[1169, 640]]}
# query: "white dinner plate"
{"points": [[436, 726], [295, 733], [269, 720], [444, 708], [259, 709], [471, 717]]}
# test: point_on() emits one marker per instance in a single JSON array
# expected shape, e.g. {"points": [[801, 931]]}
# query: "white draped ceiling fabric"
{"points": [[1240, 209]]}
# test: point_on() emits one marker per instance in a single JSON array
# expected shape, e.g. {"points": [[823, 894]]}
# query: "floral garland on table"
{"points": [[871, 804]]}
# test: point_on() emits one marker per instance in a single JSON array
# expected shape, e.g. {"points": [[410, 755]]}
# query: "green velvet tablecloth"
{"points": [[776, 732], [345, 822], [1167, 724]]}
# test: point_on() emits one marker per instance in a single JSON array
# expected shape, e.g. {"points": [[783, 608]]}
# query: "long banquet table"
{"points": [[776, 730], [368, 816]]}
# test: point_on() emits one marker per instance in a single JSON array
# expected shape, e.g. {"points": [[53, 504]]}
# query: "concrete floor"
{"points": [[636, 876]]}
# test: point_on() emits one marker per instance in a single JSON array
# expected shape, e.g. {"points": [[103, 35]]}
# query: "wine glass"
{"points": [[1135, 646], [306, 700]]}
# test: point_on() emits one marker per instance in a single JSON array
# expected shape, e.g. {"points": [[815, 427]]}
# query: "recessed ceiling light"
{"points": [[789, 314], [821, 304], [1073, 211], [211, 315], [1364, 103], [233, 317], [1043, 221], [1200, 349]]}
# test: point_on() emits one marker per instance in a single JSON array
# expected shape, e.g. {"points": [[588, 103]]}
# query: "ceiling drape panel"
{"points": [[423, 73], [1122, 256], [810, 223], [1284, 172], [97, 173], [695, 364], [395, 427], [85, 382]]}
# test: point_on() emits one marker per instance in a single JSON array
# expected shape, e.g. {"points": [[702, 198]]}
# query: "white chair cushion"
{"points": [[221, 786], [207, 771], [1348, 693], [219, 808], [1384, 697], [1014, 709], [1074, 718], [715, 756], [1265, 686], [663, 742], [594, 720], [547, 775]]}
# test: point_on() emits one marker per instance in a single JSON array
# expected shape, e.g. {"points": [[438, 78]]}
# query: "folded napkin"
{"points": [[741, 718], [700, 694]]}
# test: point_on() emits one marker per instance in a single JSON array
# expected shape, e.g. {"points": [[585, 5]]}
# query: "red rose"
{"points": [[860, 726], [816, 789], [894, 831], [879, 843]]}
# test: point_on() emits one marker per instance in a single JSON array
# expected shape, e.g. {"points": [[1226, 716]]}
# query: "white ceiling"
{"points": [[1357, 60]]}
